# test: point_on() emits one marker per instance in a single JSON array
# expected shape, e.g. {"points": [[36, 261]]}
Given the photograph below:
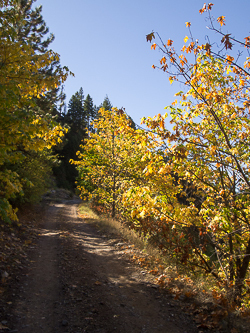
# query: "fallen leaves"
{"points": [[98, 283], [3, 327]]}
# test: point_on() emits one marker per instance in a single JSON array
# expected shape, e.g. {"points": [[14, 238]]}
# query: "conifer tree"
{"points": [[33, 29], [76, 119], [89, 111], [106, 104], [75, 114]]}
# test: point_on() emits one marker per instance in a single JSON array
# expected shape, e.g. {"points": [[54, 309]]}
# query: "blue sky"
{"points": [[104, 43]]}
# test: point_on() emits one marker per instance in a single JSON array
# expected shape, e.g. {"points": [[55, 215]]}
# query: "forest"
{"points": [[186, 190]]}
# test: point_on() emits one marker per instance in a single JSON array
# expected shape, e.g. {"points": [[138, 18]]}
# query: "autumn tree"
{"points": [[109, 161], [30, 28], [209, 148], [23, 127]]}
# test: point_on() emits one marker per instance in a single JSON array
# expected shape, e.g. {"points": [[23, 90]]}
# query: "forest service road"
{"points": [[79, 281]]}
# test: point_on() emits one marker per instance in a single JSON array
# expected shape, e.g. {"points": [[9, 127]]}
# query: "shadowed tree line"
{"points": [[78, 118]]}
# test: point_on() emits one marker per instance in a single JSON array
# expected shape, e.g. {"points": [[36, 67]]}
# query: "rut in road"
{"points": [[79, 281]]}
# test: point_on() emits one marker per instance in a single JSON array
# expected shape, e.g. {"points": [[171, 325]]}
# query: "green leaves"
{"points": [[25, 128]]}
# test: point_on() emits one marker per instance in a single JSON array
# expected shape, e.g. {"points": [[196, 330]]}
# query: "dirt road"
{"points": [[79, 281]]}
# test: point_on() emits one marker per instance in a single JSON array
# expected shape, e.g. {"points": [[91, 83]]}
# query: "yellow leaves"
{"points": [[149, 169], [165, 170], [23, 76], [221, 20], [247, 41], [243, 135], [205, 8], [188, 24], [171, 79], [143, 213], [186, 39], [164, 63], [247, 63], [162, 170], [242, 82], [234, 151], [163, 60], [162, 124], [169, 42], [246, 104], [209, 6], [183, 60], [212, 150], [134, 213]]}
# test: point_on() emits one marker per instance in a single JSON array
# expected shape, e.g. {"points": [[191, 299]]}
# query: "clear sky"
{"points": [[104, 43]]}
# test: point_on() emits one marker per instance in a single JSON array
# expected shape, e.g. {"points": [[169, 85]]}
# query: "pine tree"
{"points": [[89, 111], [106, 104], [34, 28], [31, 28], [75, 118]]}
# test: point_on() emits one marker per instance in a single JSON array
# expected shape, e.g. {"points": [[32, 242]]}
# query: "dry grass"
{"points": [[156, 261], [116, 228]]}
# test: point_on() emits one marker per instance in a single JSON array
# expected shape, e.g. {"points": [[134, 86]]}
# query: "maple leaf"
{"points": [[169, 42], [247, 42], [207, 47], [149, 37], [185, 39], [221, 20], [229, 58], [161, 124], [120, 111], [153, 46], [209, 6], [164, 67], [226, 40], [188, 24], [163, 60], [203, 9]]}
